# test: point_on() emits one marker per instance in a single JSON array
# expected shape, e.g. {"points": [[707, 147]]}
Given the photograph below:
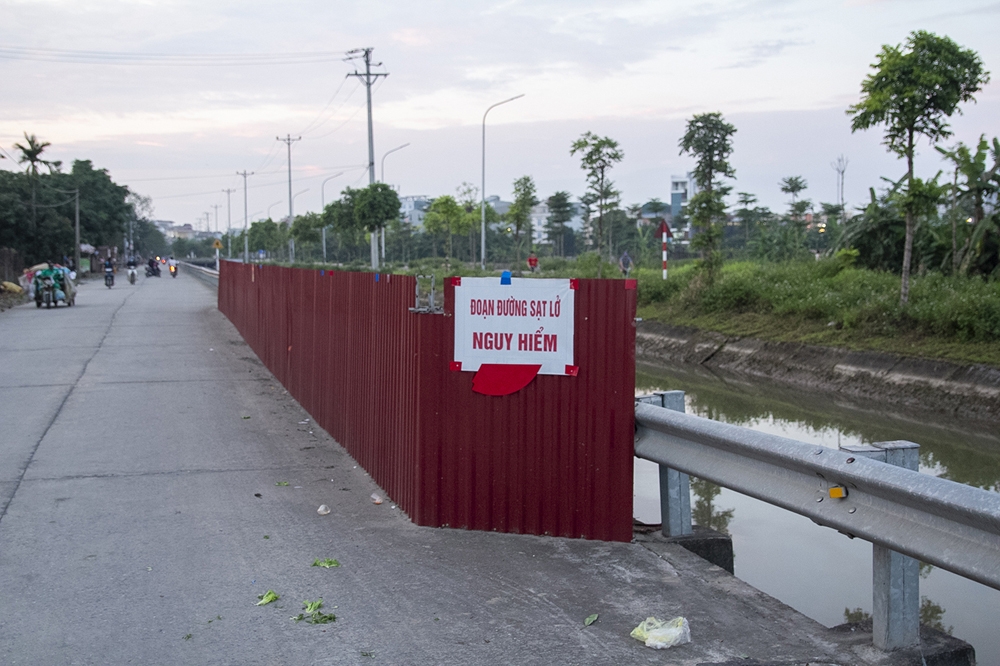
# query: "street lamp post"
{"points": [[482, 210], [386, 154], [290, 219], [322, 190], [270, 207]]}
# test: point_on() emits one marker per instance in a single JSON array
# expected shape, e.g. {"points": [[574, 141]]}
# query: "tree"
{"points": [[598, 155], [793, 185], [709, 139], [560, 213], [748, 216], [518, 216], [374, 206], [339, 216], [306, 228], [443, 215], [32, 154], [912, 91], [468, 199], [981, 183]]}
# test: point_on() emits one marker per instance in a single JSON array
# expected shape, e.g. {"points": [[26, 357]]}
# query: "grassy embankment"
{"points": [[824, 303]]}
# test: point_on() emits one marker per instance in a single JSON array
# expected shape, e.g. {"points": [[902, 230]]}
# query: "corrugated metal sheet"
{"points": [[554, 458]]}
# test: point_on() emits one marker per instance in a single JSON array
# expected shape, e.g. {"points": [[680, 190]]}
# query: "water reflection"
{"points": [[704, 512], [958, 450], [812, 569]]}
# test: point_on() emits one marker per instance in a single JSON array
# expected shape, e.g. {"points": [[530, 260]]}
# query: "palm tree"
{"points": [[793, 185], [32, 154]]}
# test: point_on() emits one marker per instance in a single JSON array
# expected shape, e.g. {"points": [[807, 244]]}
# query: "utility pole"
{"points": [[246, 226], [840, 166], [216, 207], [289, 140], [229, 224], [76, 251], [368, 78]]}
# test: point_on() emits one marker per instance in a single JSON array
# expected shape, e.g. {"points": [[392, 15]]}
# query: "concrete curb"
{"points": [[967, 391], [206, 275]]}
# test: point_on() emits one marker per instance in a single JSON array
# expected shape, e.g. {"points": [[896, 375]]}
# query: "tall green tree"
{"points": [[468, 199], [560, 213], [709, 139], [793, 185], [374, 207], [443, 215], [519, 214], [31, 152], [912, 91], [597, 156]]}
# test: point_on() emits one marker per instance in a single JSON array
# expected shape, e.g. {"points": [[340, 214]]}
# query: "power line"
{"points": [[323, 110], [71, 56]]}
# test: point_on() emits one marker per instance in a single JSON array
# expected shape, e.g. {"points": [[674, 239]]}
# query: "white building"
{"points": [[682, 188], [414, 209]]}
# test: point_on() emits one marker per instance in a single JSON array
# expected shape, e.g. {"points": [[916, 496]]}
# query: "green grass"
{"points": [[827, 303], [824, 302]]}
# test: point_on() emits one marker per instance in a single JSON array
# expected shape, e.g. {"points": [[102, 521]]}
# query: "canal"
{"points": [[816, 570]]}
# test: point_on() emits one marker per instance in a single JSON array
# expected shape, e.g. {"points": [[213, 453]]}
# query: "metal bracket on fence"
{"points": [[675, 487], [431, 307], [895, 577]]}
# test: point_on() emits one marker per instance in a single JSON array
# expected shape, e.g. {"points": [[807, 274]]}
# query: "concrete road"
{"points": [[144, 453]]}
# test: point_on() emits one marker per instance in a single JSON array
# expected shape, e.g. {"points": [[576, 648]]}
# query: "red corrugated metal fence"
{"points": [[554, 458]]}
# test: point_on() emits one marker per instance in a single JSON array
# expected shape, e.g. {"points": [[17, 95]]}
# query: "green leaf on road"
{"points": [[281, 483], [326, 564], [313, 614], [591, 619], [267, 598], [246, 417]]}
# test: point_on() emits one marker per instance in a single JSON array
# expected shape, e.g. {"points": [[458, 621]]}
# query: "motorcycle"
{"points": [[173, 271], [109, 277], [51, 285], [131, 274], [153, 271]]}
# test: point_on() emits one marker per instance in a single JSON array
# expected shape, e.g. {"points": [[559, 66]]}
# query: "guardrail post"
{"points": [[675, 487], [895, 577]]}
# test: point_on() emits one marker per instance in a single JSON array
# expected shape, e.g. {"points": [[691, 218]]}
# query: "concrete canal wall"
{"points": [[962, 390]]}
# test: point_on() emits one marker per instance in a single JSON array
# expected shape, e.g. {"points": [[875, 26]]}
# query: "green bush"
{"points": [[833, 291]]}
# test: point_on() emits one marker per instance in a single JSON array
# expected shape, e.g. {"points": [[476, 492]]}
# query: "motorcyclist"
{"points": [[172, 264], [153, 267], [109, 268], [131, 265]]}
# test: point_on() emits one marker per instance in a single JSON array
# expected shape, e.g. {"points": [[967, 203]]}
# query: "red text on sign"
{"points": [[536, 342], [492, 340]]}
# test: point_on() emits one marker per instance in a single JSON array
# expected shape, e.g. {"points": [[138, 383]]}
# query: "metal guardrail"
{"points": [[204, 274], [941, 522]]}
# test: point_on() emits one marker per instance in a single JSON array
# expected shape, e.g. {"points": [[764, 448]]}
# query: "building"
{"points": [[682, 188], [414, 209], [540, 218]]}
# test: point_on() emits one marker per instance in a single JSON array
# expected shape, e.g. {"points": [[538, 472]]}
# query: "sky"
{"points": [[174, 97]]}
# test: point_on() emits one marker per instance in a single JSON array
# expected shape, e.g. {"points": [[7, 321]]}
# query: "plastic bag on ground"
{"points": [[660, 634]]}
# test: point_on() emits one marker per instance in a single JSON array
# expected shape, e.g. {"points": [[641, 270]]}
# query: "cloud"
{"points": [[755, 54]]}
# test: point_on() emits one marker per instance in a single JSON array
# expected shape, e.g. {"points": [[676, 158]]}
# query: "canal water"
{"points": [[813, 569]]}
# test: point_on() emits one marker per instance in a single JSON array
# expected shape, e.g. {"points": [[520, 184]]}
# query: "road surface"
{"points": [[144, 457]]}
